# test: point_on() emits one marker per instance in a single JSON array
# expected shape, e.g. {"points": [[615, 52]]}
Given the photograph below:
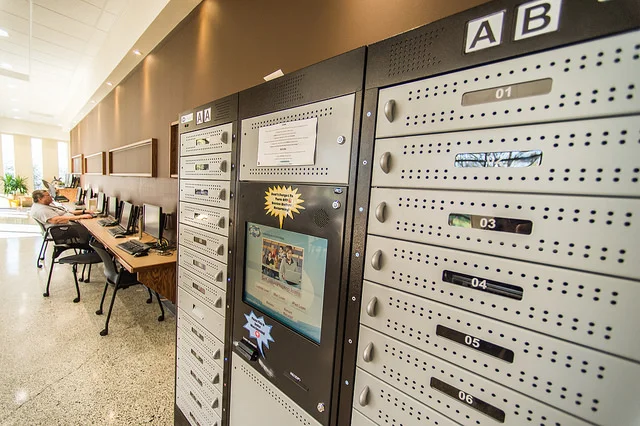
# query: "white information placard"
{"points": [[288, 144]]}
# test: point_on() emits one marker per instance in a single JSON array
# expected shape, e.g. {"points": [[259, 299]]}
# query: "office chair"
{"points": [[120, 278], [54, 193], [46, 239], [71, 237]]}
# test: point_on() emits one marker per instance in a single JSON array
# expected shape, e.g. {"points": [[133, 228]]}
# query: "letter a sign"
{"points": [[532, 19]]}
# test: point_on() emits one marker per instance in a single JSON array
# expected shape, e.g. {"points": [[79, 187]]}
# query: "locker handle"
{"points": [[216, 379], [195, 399], [215, 403], [197, 312], [380, 212], [389, 108], [218, 302], [194, 418], [376, 260], [219, 276], [196, 356], [367, 355], [371, 306], [223, 166], [385, 162], [221, 222], [363, 399], [195, 377], [222, 194], [220, 249], [216, 354], [198, 335], [224, 137]]}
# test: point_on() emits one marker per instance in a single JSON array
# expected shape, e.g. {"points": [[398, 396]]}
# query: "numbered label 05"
{"points": [[475, 343]]}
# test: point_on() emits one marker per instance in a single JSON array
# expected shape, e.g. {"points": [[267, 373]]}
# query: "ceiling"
{"points": [[58, 58]]}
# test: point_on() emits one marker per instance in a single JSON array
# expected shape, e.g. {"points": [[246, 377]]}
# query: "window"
{"points": [[8, 157], [36, 160], [63, 159]]}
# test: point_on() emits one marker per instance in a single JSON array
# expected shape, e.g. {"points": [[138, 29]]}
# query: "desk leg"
{"points": [[162, 280]]}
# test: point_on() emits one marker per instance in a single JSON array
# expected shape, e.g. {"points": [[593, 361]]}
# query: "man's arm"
{"points": [[58, 220]]}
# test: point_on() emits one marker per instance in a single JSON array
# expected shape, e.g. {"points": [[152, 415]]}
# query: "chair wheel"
{"points": [[39, 265], [161, 318], [76, 300], [45, 294], [81, 280], [99, 312], [86, 280], [149, 301], [104, 332]]}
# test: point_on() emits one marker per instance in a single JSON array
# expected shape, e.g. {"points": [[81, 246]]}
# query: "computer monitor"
{"points": [[100, 206], [153, 220], [125, 215], [79, 196], [112, 207]]}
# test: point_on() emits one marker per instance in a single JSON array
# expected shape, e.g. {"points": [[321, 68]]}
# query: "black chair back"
{"points": [[110, 269], [72, 236]]}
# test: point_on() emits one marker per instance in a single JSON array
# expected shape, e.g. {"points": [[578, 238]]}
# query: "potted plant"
{"points": [[7, 183], [14, 186]]}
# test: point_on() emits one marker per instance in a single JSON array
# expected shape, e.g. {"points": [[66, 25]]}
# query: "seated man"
{"points": [[43, 211]]}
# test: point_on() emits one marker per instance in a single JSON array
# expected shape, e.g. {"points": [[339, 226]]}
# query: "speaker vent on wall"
{"points": [[414, 53], [222, 110], [321, 218]]}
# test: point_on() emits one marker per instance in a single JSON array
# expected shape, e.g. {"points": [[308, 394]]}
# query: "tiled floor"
{"points": [[55, 368]]}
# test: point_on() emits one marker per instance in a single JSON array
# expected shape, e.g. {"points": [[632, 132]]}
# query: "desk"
{"points": [[155, 271]]}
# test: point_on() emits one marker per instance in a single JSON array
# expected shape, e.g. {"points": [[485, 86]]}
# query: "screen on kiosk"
{"points": [[284, 277]]}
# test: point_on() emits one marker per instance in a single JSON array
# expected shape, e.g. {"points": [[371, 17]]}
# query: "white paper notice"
{"points": [[288, 144]]}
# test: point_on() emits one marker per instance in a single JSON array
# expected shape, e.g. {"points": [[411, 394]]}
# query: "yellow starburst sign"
{"points": [[283, 201]]}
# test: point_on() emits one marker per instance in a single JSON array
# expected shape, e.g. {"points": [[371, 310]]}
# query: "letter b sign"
{"points": [[537, 17]]}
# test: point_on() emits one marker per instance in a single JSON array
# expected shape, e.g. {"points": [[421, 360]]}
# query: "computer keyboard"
{"points": [[117, 230], [133, 246], [107, 222]]}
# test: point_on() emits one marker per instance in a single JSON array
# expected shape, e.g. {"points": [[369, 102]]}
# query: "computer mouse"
{"points": [[119, 235], [140, 254]]}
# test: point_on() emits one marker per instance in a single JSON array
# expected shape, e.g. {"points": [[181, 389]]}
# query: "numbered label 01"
{"points": [[475, 343], [489, 223], [468, 399], [505, 93], [483, 284]]}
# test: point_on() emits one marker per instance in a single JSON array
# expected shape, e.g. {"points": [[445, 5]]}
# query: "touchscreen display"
{"points": [[284, 277]]}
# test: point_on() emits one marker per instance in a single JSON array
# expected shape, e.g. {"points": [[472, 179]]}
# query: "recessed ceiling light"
{"points": [[6, 66], [3, 33], [17, 118], [109, 83], [14, 100], [15, 109], [137, 52], [11, 86]]}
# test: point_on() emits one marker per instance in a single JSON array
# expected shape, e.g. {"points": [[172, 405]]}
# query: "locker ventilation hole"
{"points": [[319, 113], [222, 110], [282, 92], [321, 218], [290, 171], [559, 214], [624, 92], [408, 409], [547, 354], [416, 386], [571, 140], [561, 288], [267, 388], [413, 54]]}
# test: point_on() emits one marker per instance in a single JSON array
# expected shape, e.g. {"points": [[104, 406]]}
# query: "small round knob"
{"points": [[320, 407]]}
